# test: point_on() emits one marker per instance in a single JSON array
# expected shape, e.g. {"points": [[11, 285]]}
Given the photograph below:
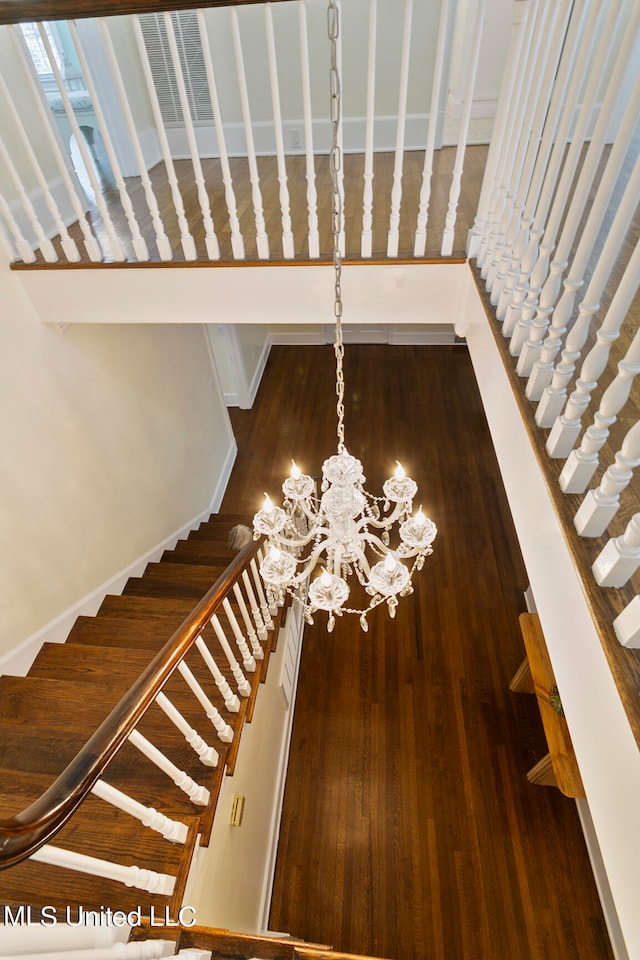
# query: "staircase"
{"points": [[131, 840]]}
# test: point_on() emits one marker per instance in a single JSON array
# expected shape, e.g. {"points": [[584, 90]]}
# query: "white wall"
{"points": [[112, 438]]}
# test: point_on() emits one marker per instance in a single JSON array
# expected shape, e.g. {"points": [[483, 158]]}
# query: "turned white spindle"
{"points": [[252, 636], [248, 660], [265, 609], [520, 129], [565, 99], [498, 133], [137, 240], [554, 67], [262, 240], [231, 701], [253, 606], [366, 241], [542, 370], [211, 240], [538, 294], [171, 830], [162, 241], [111, 241], [186, 240], [206, 753], [196, 793], [244, 687], [288, 249], [393, 236], [627, 624], [22, 244], [620, 558], [554, 395], [273, 605], [463, 132], [47, 125], [579, 199], [600, 506], [310, 168], [237, 242], [566, 427], [420, 240], [47, 248], [137, 877], [68, 245], [224, 731], [133, 950]]}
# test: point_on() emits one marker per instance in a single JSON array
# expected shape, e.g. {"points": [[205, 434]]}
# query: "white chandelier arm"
{"points": [[323, 532]]}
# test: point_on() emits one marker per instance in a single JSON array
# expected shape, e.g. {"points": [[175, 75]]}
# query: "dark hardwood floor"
{"points": [[409, 829]]}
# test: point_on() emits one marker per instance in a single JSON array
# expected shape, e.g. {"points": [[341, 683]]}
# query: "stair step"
{"points": [[189, 581], [116, 605], [99, 830], [203, 552], [219, 528]]}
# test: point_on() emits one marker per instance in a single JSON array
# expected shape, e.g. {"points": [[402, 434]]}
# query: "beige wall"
{"points": [[112, 438]]}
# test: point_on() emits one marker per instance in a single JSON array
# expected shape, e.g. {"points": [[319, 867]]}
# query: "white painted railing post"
{"points": [[171, 830], [244, 687], [600, 506], [620, 558], [231, 701], [206, 754], [393, 236], [248, 660], [196, 793], [224, 731], [265, 609], [252, 636], [288, 248], [261, 627], [138, 877], [366, 241], [310, 171], [566, 427], [22, 244]]}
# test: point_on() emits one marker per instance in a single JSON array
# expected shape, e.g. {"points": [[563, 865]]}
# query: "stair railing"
{"points": [[25, 834]]}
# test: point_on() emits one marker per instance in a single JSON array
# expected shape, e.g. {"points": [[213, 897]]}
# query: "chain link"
{"points": [[335, 165]]}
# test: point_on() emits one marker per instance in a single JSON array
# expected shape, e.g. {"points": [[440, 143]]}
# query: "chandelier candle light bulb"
{"points": [[344, 525]]}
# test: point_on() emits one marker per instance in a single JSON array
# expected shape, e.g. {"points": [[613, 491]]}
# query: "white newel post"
{"points": [[137, 877], [288, 249], [171, 830], [620, 558], [237, 242], [211, 240], [196, 793], [310, 167], [600, 506], [366, 241], [566, 427], [224, 731], [186, 240], [393, 236]]}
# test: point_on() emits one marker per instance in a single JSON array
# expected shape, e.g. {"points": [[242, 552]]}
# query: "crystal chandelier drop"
{"points": [[343, 529]]}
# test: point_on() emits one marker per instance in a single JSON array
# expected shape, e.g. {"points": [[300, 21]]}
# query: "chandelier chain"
{"points": [[335, 163]]}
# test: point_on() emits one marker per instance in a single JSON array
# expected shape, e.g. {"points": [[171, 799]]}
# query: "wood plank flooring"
{"points": [[409, 829]]}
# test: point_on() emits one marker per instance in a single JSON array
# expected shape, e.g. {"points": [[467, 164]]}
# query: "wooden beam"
{"points": [[17, 11]]}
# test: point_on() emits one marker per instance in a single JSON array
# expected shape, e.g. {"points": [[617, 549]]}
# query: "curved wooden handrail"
{"points": [[22, 835], [17, 11]]}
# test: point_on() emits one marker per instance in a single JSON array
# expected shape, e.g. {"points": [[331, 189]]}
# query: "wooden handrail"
{"points": [[17, 11], [22, 835]]}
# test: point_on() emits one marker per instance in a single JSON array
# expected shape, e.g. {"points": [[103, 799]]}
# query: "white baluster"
{"points": [[273, 605], [252, 636], [583, 462], [196, 793], [207, 754], [420, 241], [312, 195], [68, 245], [253, 604], [264, 607], [262, 240], [573, 70], [237, 243], [244, 687], [566, 428], [186, 240], [620, 559], [137, 877], [600, 506], [554, 395], [627, 624], [248, 660], [555, 72], [170, 829], [133, 950], [551, 286], [393, 236], [463, 133], [224, 731], [47, 122], [366, 241], [508, 86], [162, 241], [231, 701], [137, 240], [542, 371], [340, 138], [288, 249], [211, 240], [47, 248], [23, 246], [112, 241]]}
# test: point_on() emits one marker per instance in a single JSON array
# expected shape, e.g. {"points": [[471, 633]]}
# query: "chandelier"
{"points": [[343, 529]]}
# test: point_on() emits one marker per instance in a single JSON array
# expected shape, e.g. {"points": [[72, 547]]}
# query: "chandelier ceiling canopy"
{"points": [[342, 528]]}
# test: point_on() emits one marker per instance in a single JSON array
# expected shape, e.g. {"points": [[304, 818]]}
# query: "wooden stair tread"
{"points": [[185, 580], [565, 767], [115, 605]]}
